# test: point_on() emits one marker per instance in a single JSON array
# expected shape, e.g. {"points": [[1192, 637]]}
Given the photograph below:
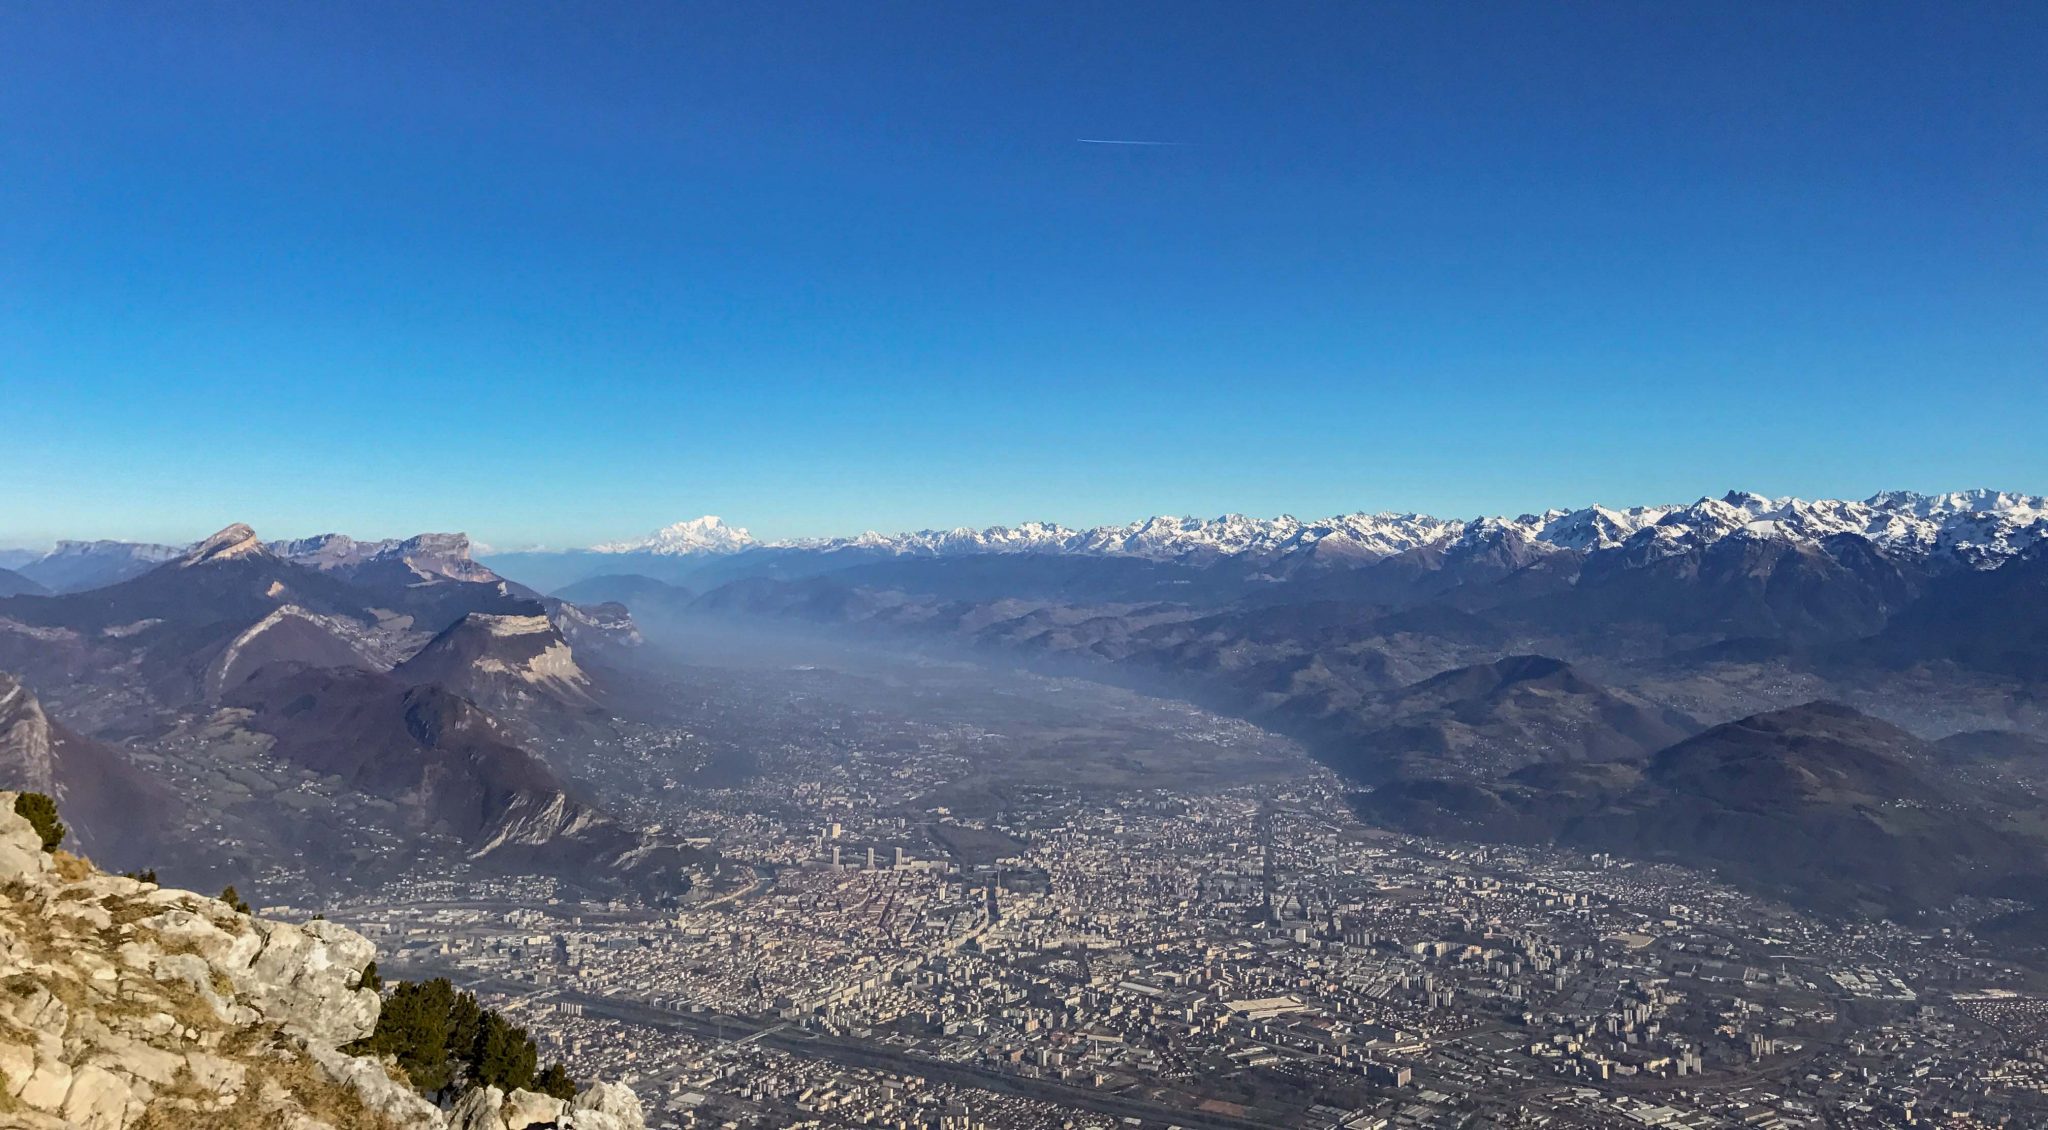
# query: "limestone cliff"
{"points": [[128, 1006]]}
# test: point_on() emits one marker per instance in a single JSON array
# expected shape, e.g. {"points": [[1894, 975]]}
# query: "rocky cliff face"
{"points": [[108, 801], [129, 1006], [24, 738]]}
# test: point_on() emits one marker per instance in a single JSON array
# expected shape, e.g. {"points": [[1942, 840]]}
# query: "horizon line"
{"points": [[489, 548]]}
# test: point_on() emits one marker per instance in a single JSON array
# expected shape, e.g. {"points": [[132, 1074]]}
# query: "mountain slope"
{"points": [[502, 663], [124, 652], [1816, 803], [1489, 719], [1740, 584], [2006, 747], [1994, 621], [122, 655], [452, 769], [115, 809], [630, 589], [14, 584]]}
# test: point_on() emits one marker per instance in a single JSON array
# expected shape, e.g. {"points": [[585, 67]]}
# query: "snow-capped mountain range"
{"points": [[699, 535], [1976, 528]]}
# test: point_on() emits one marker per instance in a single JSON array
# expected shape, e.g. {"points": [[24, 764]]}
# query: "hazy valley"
{"points": [[1826, 714]]}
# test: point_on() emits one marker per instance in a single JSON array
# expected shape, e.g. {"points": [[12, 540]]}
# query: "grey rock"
{"points": [[525, 1108], [21, 850], [47, 1084], [98, 1100], [615, 1101], [380, 1094], [305, 978], [479, 1109]]}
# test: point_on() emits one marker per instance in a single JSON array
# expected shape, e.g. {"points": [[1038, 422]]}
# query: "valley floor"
{"points": [[928, 908]]}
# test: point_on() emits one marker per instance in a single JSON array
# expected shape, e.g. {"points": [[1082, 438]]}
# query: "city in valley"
{"points": [[1187, 565], [1008, 829], [920, 918]]}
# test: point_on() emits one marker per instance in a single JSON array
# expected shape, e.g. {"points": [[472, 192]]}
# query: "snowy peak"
{"points": [[1378, 535], [1501, 537], [708, 534], [1595, 527], [1956, 502], [1029, 537]]}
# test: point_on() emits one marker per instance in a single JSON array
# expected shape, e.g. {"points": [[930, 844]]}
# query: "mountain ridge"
{"points": [[1971, 526]]}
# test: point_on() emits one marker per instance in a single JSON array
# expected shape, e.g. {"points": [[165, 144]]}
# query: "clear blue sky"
{"points": [[565, 272]]}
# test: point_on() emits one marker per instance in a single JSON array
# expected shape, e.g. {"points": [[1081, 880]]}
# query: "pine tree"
{"points": [[506, 1056], [465, 1031], [234, 900], [371, 978], [413, 1026], [555, 1081], [41, 813]]}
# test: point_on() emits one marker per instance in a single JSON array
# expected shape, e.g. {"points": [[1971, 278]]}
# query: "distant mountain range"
{"points": [[1658, 682], [1546, 679], [74, 566], [349, 704], [77, 565], [1973, 528], [1976, 524]]}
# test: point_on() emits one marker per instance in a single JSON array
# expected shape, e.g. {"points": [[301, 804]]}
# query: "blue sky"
{"points": [[560, 273]]}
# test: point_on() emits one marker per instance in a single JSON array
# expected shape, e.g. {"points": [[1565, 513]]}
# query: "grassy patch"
{"points": [[72, 868], [126, 911]]}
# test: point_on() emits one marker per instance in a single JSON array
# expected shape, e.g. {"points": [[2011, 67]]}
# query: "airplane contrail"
{"points": [[1119, 141]]}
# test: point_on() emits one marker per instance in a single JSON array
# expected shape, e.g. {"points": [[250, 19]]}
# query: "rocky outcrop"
{"points": [[604, 1106], [237, 540], [129, 1006], [614, 1103], [608, 624], [502, 663], [124, 1004]]}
